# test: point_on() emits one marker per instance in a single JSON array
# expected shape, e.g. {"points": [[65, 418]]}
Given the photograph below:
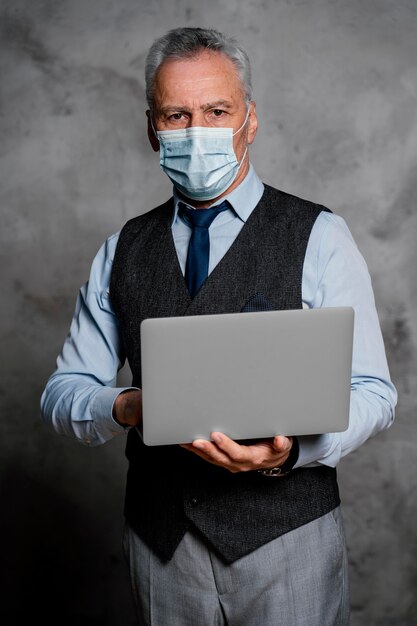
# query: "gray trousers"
{"points": [[298, 579]]}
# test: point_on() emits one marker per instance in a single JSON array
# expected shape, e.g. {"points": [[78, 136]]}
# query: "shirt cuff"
{"points": [[318, 450], [102, 412]]}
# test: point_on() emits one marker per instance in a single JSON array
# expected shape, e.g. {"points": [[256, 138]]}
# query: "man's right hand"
{"points": [[127, 408]]}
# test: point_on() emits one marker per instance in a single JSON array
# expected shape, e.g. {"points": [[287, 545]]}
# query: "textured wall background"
{"points": [[336, 87]]}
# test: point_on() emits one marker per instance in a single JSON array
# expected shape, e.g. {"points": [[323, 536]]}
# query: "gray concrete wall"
{"points": [[336, 88]]}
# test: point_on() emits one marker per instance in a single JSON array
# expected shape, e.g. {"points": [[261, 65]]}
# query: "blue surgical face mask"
{"points": [[200, 160]]}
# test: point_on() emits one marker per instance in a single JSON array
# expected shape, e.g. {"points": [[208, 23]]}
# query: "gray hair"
{"points": [[182, 43]]}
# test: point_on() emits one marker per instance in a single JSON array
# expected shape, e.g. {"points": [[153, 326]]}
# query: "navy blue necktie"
{"points": [[196, 268]]}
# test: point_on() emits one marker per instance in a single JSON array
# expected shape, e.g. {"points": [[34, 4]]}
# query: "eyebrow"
{"points": [[225, 104]]}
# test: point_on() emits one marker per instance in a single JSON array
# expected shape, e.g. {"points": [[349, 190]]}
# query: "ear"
{"points": [[153, 139], [252, 122]]}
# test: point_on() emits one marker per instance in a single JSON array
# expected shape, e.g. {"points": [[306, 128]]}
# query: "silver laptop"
{"points": [[248, 375]]}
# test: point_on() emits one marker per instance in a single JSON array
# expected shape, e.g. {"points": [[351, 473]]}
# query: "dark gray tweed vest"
{"points": [[168, 488]]}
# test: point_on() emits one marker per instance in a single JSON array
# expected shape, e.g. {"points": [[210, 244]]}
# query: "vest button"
{"points": [[194, 501]]}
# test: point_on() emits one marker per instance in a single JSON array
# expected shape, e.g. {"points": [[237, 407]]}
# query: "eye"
{"points": [[176, 116], [217, 112]]}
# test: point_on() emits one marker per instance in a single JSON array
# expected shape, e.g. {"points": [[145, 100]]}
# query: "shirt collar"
{"points": [[243, 198]]}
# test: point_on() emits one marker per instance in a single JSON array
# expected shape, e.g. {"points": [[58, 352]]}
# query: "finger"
{"points": [[282, 444], [235, 451], [252, 455], [248, 457], [186, 446], [209, 452], [226, 453]]}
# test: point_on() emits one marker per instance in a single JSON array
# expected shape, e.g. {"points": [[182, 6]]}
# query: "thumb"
{"points": [[282, 444]]}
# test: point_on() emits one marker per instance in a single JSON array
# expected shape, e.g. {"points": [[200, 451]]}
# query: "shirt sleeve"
{"points": [[78, 398], [335, 274]]}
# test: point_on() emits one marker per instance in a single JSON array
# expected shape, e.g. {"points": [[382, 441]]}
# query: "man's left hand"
{"points": [[235, 457]]}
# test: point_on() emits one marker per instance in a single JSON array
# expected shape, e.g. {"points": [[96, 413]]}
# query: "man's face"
{"points": [[203, 91]]}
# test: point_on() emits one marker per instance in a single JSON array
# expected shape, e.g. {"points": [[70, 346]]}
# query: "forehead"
{"points": [[207, 77]]}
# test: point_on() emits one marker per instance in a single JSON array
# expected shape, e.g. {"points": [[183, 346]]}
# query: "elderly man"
{"points": [[218, 532]]}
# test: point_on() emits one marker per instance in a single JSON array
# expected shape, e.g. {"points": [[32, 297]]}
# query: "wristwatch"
{"points": [[286, 467]]}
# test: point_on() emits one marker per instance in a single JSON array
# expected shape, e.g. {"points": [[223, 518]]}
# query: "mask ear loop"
{"points": [[153, 127], [238, 131], [244, 123]]}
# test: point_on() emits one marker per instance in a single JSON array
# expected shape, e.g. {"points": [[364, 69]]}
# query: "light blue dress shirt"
{"points": [[79, 396]]}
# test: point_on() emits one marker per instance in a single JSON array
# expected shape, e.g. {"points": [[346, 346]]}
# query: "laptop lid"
{"points": [[248, 375]]}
